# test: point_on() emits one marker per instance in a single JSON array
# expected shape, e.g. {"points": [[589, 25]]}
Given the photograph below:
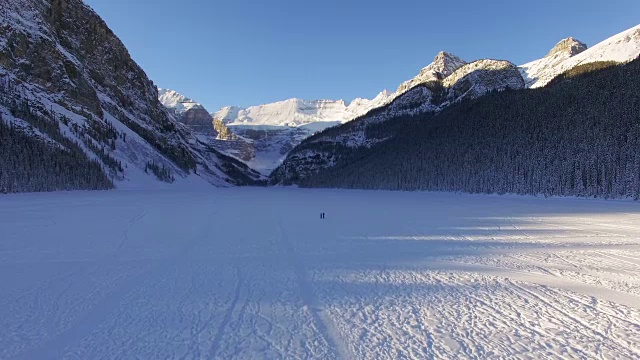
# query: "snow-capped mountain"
{"points": [[360, 106], [194, 115], [67, 80], [227, 114], [430, 93], [297, 112], [442, 66], [275, 129], [176, 101], [446, 81], [270, 131], [569, 53], [188, 112]]}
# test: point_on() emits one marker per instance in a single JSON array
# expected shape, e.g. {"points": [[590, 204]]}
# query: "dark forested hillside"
{"points": [[578, 136], [80, 113], [28, 164]]}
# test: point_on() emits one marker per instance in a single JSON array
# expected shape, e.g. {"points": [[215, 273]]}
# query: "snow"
{"points": [[443, 66], [620, 48], [255, 273], [297, 112], [292, 112], [177, 102]]}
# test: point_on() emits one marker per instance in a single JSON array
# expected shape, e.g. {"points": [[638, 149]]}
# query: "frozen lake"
{"points": [[255, 273]]}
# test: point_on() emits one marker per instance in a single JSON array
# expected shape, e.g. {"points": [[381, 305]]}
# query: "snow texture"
{"points": [[130, 274]]}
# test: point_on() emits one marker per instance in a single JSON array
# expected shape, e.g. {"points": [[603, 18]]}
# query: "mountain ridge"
{"points": [[60, 59], [469, 81]]}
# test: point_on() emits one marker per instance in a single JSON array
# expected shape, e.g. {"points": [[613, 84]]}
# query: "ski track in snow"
{"points": [[254, 273]]}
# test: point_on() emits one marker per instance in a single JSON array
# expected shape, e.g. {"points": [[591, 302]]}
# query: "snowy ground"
{"points": [[255, 273]]}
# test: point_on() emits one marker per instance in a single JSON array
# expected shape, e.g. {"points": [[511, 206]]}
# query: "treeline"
{"points": [[160, 171], [577, 137], [28, 164], [47, 162]]}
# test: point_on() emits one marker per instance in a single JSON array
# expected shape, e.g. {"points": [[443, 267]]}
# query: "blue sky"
{"points": [[241, 52]]}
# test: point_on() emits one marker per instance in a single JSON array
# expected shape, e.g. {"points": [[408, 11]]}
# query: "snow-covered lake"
{"points": [[255, 273]]}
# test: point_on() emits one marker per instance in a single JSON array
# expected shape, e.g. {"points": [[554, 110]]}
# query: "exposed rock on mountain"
{"points": [[194, 115], [442, 66], [569, 53], [327, 148], [78, 79], [576, 137], [263, 135], [448, 80], [568, 46], [222, 131]]}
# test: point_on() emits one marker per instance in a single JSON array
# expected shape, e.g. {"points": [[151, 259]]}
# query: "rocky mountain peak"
{"points": [[569, 46], [442, 66]]}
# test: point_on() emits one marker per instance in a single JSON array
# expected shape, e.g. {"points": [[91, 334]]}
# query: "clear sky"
{"points": [[250, 52]]}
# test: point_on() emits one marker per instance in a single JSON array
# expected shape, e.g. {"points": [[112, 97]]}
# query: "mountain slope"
{"points": [[275, 129], [447, 81], [266, 133], [80, 84], [570, 53], [577, 137], [442, 66], [326, 149], [194, 115]]}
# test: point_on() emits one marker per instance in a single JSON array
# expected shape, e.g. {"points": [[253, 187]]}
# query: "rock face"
{"points": [[480, 77], [199, 120], [568, 46], [194, 115], [540, 72], [442, 66], [209, 130], [61, 57], [222, 131]]}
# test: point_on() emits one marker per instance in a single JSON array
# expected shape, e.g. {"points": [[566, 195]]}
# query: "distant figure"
{"points": [[321, 215]]}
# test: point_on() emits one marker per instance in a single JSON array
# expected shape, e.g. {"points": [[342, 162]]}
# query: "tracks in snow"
{"points": [[125, 234], [217, 339], [321, 321]]}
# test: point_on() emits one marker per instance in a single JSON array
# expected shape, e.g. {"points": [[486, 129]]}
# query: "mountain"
{"points": [[576, 137], [269, 131], [442, 66], [468, 81], [261, 136], [70, 87], [570, 53], [297, 112], [272, 130], [447, 82], [177, 102], [194, 115], [188, 112], [275, 129]]}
